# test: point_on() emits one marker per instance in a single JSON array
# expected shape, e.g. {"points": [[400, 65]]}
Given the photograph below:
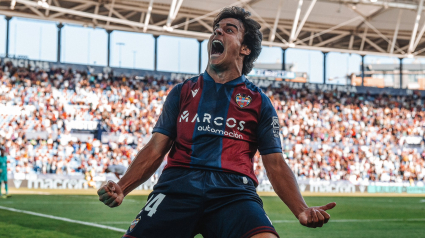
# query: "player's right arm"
{"points": [[145, 164], [149, 158]]}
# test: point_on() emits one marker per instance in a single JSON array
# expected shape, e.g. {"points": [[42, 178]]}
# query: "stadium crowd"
{"points": [[325, 135]]}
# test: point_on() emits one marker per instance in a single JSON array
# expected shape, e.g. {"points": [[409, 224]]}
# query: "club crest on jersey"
{"points": [[243, 100], [134, 223]]}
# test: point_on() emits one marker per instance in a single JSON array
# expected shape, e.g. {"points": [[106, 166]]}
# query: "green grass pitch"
{"points": [[352, 217]]}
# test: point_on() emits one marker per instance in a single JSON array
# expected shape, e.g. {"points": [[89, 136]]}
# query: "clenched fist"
{"points": [[111, 194], [315, 216]]}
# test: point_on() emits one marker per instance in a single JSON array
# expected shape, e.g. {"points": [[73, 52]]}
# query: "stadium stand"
{"points": [[326, 135]]}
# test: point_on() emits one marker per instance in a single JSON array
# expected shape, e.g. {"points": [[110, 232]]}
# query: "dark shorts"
{"points": [[186, 202]]}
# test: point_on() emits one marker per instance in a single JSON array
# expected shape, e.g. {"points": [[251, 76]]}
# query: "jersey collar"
{"points": [[234, 82]]}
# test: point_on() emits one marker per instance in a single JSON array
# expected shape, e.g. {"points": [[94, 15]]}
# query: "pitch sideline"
{"points": [[63, 219], [123, 230]]}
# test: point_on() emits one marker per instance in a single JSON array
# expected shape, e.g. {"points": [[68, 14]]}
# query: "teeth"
{"points": [[217, 41]]}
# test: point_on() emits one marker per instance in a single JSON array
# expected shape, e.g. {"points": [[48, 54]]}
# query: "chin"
{"points": [[217, 60]]}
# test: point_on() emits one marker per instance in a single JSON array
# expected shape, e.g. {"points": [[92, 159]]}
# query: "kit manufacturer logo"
{"points": [[194, 92]]}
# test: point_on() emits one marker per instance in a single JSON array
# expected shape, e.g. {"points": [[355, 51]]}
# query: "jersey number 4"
{"points": [[153, 203]]}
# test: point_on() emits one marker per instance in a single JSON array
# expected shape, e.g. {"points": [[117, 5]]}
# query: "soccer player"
{"points": [[3, 172], [214, 125]]}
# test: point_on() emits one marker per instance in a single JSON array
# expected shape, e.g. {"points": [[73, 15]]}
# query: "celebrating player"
{"points": [[214, 125]]}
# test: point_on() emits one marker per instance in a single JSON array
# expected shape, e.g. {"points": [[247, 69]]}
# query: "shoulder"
{"points": [[191, 80], [265, 100], [252, 87], [194, 79], [178, 87]]}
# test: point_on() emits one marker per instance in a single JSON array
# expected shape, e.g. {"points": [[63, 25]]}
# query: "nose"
{"points": [[218, 31]]}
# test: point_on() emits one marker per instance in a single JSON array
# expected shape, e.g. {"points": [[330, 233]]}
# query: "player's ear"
{"points": [[245, 50]]}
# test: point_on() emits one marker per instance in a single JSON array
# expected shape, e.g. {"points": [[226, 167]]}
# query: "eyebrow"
{"points": [[227, 24]]}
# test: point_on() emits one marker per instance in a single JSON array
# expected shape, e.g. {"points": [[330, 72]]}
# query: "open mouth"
{"points": [[217, 47]]}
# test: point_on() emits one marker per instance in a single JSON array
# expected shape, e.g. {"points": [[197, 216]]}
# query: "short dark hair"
{"points": [[252, 37]]}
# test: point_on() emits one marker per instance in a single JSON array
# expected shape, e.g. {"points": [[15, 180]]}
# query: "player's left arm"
{"points": [[279, 173], [285, 185]]}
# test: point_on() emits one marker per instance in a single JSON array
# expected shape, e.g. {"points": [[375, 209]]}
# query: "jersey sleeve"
{"points": [[167, 122], [268, 138]]}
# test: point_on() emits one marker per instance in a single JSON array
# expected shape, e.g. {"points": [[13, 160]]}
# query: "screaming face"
{"points": [[217, 48], [225, 48]]}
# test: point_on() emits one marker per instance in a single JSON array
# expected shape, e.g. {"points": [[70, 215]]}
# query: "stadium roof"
{"points": [[352, 26]]}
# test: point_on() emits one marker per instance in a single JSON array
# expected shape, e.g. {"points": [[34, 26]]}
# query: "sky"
{"points": [[37, 40]]}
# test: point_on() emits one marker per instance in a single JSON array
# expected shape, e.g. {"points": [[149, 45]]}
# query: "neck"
{"points": [[224, 76]]}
